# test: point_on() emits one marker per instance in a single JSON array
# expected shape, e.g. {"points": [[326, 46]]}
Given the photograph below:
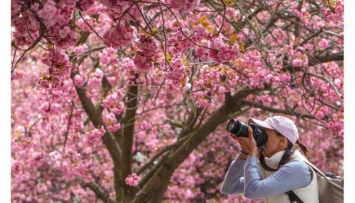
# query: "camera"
{"points": [[240, 129]]}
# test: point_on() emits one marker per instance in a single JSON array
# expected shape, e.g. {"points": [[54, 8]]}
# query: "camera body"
{"points": [[239, 129]]}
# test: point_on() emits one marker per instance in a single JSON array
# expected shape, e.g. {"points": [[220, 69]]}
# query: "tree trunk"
{"points": [[153, 191]]}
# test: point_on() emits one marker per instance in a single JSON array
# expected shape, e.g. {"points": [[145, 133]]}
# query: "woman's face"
{"points": [[275, 143]]}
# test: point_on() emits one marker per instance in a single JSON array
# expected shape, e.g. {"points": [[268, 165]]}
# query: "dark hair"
{"points": [[290, 146]]}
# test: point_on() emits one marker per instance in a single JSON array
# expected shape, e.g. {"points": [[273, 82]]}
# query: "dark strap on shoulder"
{"points": [[293, 197], [284, 159]]}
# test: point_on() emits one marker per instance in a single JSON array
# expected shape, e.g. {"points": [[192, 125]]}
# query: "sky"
{"points": [[5, 101]]}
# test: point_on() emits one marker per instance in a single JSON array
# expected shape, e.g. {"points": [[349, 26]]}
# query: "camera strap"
{"points": [[284, 159]]}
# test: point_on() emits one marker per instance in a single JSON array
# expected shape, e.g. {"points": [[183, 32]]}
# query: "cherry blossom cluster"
{"points": [[132, 180], [122, 10], [177, 72], [108, 57], [148, 48], [148, 44], [142, 61], [83, 5], [119, 36], [58, 68], [222, 52], [94, 136], [334, 12], [25, 24], [179, 41], [110, 120], [183, 5], [55, 17]]}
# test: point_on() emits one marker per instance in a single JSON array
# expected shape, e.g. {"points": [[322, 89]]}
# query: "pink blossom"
{"points": [[187, 86], [148, 45], [109, 118], [279, 35], [323, 43], [119, 36], [142, 61], [98, 73], [109, 100], [222, 52], [85, 4], [114, 127], [132, 180], [78, 80], [184, 5], [118, 109], [202, 51], [319, 115], [95, 135], [297, 63], [177, 72], [63, 33], [338, 82], [93, 82], [16, 167]]}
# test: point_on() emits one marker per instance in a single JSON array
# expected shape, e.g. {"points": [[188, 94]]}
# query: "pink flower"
{"points": [[177, 73], [119, 36], [78, 80], [132, 180], [297, 63], [109, 118], [109, 100], [222, 52], [16, 167], [319, 115], [85, 4], [148, 45], [142, 61], [114, 127], [323, 43], [184, 5], [95, 135], [118, 109]]}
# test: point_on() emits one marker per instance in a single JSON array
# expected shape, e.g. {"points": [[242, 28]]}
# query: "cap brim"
{"points": [[259, 123]]}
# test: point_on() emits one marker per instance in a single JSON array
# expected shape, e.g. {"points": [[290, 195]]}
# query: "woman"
{"points": [[267, 178]]}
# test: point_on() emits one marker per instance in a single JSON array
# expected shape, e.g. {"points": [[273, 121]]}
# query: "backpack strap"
{"points": [[293, 197]]}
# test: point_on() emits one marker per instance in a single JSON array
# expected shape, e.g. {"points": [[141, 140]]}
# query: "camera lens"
{"points": [[239, 129], [230, 125]]}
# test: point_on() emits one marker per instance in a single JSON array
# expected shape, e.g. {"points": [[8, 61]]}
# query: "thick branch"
{"points": [[161, 152], [125, 140], [99, 192], [317, 60], [154, 189], [108, 139]]}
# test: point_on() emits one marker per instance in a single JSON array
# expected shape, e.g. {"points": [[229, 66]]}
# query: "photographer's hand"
{"points": [[243, 151], [248, 143]]}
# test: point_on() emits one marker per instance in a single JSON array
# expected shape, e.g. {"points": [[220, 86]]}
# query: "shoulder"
{"points": [[297, 167]]}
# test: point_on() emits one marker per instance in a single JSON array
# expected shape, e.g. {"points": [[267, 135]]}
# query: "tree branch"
{"points": [[316, 60], [99, 191]]}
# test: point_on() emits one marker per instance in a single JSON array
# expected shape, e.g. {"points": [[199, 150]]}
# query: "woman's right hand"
{"points": [[247, 144], [243, 150]]}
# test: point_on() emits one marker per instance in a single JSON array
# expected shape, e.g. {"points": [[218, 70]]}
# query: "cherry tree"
{"points": [[126, 101]]}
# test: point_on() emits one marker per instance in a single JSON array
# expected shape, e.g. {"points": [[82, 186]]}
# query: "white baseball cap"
{"points": [[281, 124]]}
